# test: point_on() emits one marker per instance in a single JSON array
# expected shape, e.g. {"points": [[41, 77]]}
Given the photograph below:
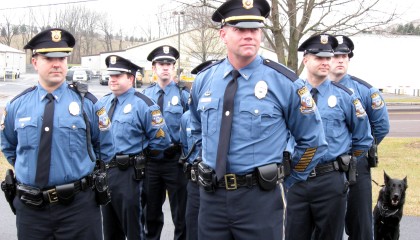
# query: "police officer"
{"points": [[137, 124], [166, 173], [50, 135], [242, 109], [190, 167], [319, 203], [359, 200]]}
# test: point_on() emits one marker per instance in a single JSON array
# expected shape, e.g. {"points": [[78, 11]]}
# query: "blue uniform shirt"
{"points": [[345, 121], [186, 137], [373, 103], [70, 161], [137, 123], [267, 106], [174, 106]]}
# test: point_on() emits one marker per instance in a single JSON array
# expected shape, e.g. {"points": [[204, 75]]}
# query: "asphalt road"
{"points": [[404, 123]]}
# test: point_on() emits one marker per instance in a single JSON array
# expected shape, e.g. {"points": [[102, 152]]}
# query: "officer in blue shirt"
{"points": [[190, 167], [166, 173], [318, 204], [52, 134], [359, 200], [242, 108], [137, 124]]}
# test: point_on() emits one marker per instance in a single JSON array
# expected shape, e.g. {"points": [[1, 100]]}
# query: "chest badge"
{"points": [[261, 89], [175, 100], [127, 108], [74, 108], [332, 101]]}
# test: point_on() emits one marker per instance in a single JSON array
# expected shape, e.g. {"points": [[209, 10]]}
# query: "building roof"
{"points": [[5, 48]]}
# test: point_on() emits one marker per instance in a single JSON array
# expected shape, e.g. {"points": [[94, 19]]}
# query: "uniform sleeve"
{"points": [[195, 118], [183, 133], [155, 128], [185, 96], [8, 141], [305, 126], [378, 114], [102, 139], [358, 123]]}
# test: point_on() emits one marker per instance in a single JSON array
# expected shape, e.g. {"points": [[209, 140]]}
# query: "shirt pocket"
{"points": [[209, 116], [122, 125], [27, 132], [72, 130], [334, 126], [257, 118], [173, 116]]}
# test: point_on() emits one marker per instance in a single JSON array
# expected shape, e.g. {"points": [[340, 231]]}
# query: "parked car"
{"points": [[80, 75], [11, 73], [104, 78]]}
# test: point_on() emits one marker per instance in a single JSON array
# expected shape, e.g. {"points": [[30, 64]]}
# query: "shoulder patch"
{"points": [[339, 85], [144, 98], [281, 69], [211, 65], [23, 93], [360, 111], [361, 81]]}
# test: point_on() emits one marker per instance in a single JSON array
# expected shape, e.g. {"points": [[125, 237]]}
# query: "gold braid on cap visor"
{"points": [[245, 17], [47, 50]]}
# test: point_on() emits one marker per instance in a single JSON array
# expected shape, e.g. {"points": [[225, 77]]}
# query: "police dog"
{"points": [[388, 211]]}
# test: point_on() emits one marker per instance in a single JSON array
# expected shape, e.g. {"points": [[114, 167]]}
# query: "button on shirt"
{"points": [[134, 124], [266, 106], [69, 157], [373, 103], [346, 131], [173, 106]]}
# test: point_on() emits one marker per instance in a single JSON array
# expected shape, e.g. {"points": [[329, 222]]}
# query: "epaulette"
{"points": [[211, 65], [152, 85], [108, 94], [88, 95], [281, 69], [361, 81], [144, 98], [23, 93], [339, 85]]}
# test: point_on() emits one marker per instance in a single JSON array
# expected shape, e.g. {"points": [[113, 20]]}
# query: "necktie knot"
{"points": [[50, 97], [235, 74]]}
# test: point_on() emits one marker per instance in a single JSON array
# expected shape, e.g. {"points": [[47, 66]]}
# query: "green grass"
{"points": [[403, 100], [399, 157]]}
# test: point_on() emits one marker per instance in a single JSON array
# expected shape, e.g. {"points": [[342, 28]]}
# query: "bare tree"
{"points": [[8, 30], [106, 27], [293, 19]]}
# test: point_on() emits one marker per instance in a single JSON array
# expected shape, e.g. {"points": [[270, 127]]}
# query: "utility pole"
{"points": [[179, 13]]}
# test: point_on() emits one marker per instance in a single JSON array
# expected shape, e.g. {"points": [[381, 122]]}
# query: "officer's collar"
{"points": [[57, 93], [246, 71], [125, 95]]}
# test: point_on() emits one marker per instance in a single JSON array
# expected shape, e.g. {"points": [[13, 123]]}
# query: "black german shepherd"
{"points": [[388, 211]]}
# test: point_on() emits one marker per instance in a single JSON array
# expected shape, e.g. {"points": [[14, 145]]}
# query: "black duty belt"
{"points": [[324, 168], [127, 160], [36, 197], [233, 181], [174, 151]]}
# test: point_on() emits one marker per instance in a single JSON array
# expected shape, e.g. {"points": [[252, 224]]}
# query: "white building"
{"points": [[12, 58]]}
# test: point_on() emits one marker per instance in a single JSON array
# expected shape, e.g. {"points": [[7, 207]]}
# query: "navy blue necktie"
{"points": [[44, 151], [314, 93], [112, 108], [160, 100], [226, 126]]}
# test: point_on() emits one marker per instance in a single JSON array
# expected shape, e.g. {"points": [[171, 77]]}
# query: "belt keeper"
{"points": [[248, 178]]}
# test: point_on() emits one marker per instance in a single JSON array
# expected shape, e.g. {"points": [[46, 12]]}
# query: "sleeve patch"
{"points": [[160, 133], [305, 160], [358, 153], [104, 121], [377, 102], [307, 104], [157, 119], [360, 111]]}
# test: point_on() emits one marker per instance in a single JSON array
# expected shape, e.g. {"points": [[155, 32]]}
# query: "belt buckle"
{"points": [[312, 173], [230, 182], [52, 195]]}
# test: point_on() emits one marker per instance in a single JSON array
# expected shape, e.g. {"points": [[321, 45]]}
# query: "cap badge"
{"points": [[324, 39], [113, 60], [261, 89], [166, 49], [339, 39], [55, 35], [332, 101], [247, 4], [74, 108]]}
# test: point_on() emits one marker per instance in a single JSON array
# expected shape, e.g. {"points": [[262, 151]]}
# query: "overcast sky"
{"points": [[132, 13]]}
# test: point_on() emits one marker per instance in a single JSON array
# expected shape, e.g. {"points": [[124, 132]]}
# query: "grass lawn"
{"points": [[399, 157]]}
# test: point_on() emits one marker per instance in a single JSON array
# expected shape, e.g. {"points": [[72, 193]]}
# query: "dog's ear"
{"points": [[405, 182], [386, 178]]}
